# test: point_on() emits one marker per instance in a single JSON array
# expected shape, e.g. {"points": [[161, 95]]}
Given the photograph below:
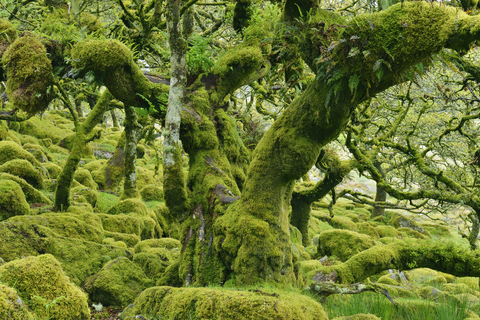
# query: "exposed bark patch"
{"points": [[224, 195]]}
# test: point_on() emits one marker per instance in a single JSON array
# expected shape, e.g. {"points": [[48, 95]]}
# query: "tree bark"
{"points": [[132, 128], [380, 195]]}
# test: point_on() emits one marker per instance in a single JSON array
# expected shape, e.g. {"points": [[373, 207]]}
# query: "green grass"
{"points": [[405, 309]]}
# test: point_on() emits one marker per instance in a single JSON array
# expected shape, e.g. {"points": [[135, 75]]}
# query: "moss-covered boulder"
{"points": [[387, 231], [144, 227], [129, 239], [81, 194], [42, 282], [368, 229], [339, 222], [25, 170], [10, 150], [84, 177], [118, 283], [222, 304], [400, 221], [12, 200], [80, 258], [12, 306], [151, 193], [155, 255], [65, 225], [343, 243], [53, 169], [129, 206]]}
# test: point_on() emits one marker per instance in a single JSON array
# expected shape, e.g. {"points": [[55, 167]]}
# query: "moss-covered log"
{"points": [[446, 257], [253, 234]]}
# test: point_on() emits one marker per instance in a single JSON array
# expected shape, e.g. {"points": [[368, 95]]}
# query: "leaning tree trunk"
{"points": [[64, 181]]}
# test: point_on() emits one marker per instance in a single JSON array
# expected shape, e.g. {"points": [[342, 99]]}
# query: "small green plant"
{"points": [[48, 305]]}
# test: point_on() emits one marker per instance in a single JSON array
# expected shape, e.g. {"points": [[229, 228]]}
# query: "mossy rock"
{"points": [[53, 169], [12, 200], [129, 206], [144, 227], [151, 192], [82, 194], [41, 280], [80, 258], [10, 150], [410, 233], [25, 170], [426, 275], [436, 229], [309, 265], [129, 239], [45, 128], [401, 221], [65, 225], [145, 177], [95, 165], [457, 288], [368, 229], [343, 243], [37, 152], [360, 316], [345, 223], [295, 235], [118, 283], [387, 279], [471, 282], [387, 231], [155, 255], [68, 141], [113, 242], [84, 177], [222, 304], [11, 305]]}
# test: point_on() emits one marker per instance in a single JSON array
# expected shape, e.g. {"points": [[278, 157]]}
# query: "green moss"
{"points": [[343, 243], [407, 232], [81, 194], [151, 192], [45, 128], [95, 165], [24, 170], [12, 200], [118, 283], [41, 280], [144, 227], [29, 74], [401, 221], [339, 222], [9, 150], [84, 177], [144, 177], [386, 231], [155, 255], [106, 201], [8, 34], [11, 306], [207, 303], [129, 206], [129, 239], [471, 282], [368, 229], [65, 225], [53, 169]]}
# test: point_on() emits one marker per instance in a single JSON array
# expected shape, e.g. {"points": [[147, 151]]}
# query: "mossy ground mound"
{"points": [[155, 255], [219, 304], [42, 282]]}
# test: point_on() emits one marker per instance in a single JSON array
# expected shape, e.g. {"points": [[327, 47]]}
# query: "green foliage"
{"points": [[199, 57]]}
